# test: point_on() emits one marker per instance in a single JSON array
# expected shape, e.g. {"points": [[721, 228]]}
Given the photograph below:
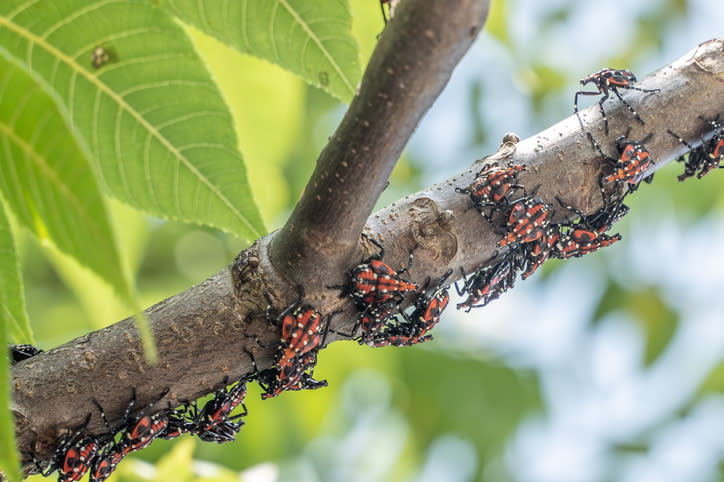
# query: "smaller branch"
{"points": [[412, 63]]}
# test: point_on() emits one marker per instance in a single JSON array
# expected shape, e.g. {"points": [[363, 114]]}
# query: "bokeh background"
{"points": [[603, 368]]}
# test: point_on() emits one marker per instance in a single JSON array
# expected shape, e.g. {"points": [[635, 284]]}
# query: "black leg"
{"points": [[575, 103], [635, 114], [603, 112]]}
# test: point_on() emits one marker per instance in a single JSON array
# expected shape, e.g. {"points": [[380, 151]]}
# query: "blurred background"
{"points": [[603, 368]]}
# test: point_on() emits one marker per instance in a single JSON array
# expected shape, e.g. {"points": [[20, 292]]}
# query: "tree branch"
{"points": [[202, 332], [410, 66]]}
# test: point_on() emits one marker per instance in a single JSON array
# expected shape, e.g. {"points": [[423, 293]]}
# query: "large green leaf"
{"points": [[310, 38], [150, 117], [12, 314], [47, 181]]}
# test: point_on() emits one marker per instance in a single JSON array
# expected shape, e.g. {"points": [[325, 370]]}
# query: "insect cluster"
{"points": [[529, 236], [79, 452], [707, 155]]}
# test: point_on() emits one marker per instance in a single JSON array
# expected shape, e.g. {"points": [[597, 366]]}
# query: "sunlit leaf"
{"points": [[496, 23], [308, 38], [657, 320], [12, 314], [15, 318], [268, 106], [714, 381], [610, 301], [47, 181], [141, 103]]}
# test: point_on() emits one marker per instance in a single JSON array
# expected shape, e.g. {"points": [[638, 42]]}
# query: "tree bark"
{"points": [[203, 332]]}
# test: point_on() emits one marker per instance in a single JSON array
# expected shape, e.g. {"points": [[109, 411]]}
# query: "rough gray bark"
{"points": [[202, 332]]}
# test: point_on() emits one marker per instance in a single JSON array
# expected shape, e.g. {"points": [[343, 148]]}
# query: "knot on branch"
{"points": [[433, 230]]}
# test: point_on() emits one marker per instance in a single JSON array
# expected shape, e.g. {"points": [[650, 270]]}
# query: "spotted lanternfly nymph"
{"points": [[214, 422], [705, 157], [527, 221], [22, 352], [632, 163], [374, 284], [610, 79], [74, 455], [493, 185]]}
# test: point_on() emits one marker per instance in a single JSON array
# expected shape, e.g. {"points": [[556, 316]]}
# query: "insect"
{"points": [[527, 221], [100, 56], [417, 324], [493, 185], [292, 377], [301, 332], [214, 422], [602, 220], [610, 79], [106, 462], [137, 432], [372, 322], [74, 455], [580, 241], [632, 163], [587, 235], [537, 252], [178, 422], [22, 352], [490, 282], [374, 283], [707, 156]]}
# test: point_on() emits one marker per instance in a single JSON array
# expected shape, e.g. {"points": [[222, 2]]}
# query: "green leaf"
{"points": [[150, 117], [47, 181], [268, 107], [713, 383], [12, 294], [497, 22], [12, 314], [49, 185], [656, 319], [309, 38]]}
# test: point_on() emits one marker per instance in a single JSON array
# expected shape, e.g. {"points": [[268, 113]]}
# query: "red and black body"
{"points": [[707, 156], [416, 326], [490, 282], [74, 455], [493, 186], [527, 220], [631, 165], [609, 80], [214, 422], [535, 253]]}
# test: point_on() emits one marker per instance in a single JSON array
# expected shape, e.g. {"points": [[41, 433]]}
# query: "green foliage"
{"points": [[656, 319], [150, 119], [47, 182], [713, 383], [16, 326], [309, 38], [13, 325], [497, 22]]}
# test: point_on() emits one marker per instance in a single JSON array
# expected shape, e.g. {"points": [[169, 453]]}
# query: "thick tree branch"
{"points": [[202, 332]]}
